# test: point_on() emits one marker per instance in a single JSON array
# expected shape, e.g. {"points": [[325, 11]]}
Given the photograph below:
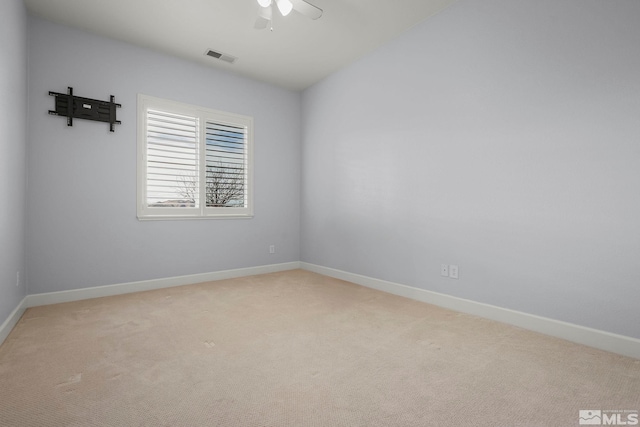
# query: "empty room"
{"points": [[319, 213]]}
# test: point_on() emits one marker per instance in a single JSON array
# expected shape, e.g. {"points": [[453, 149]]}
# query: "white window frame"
{"points": [[146, 212]]}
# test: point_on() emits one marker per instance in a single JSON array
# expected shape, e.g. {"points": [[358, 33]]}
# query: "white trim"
{"points": [[12, 320], [146, 285], [620, 344]]}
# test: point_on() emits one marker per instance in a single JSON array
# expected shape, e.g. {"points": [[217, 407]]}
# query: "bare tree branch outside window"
{"points": [[188, 189], [225, 185]]}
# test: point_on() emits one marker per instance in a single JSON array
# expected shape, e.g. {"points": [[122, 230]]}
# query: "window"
{"points": [[193, 162]]}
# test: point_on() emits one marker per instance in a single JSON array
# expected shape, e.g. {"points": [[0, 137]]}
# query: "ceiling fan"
{"points": [[265, 14]]}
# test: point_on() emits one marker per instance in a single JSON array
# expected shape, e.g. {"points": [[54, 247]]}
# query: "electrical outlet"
{"points": [[453, 271], [272, 249], [18, 278], [444, 270]]}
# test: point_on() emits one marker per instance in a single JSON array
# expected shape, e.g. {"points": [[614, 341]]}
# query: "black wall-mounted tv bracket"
{"points": [[71, 107]]}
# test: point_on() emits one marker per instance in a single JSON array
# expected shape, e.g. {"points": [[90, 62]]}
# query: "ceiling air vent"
{"points": [[221, 56]]}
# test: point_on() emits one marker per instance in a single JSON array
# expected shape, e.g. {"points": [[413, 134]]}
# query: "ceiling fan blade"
{"points": [[307, 9]]}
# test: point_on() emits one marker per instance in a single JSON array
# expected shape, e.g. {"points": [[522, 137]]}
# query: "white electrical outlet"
{"points": [[272, 249], [453, 271], [444, 270]]}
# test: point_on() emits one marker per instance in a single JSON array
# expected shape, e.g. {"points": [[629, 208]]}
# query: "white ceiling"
{"points": [[296, 54]]}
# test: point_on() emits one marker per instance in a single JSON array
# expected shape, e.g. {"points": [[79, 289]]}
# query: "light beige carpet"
{"points": [[294, 349]]}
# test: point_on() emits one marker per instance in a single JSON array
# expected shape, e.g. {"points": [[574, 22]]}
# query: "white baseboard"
{"points": [[626, 346], [620, 344], [12, 320], [147, 285]]}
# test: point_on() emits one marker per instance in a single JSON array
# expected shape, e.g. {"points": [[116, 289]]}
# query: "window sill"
{"points": [[191, 217]]}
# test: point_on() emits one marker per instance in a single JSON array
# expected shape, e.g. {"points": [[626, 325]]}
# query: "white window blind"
{"points": [[172, 160], [193, 162], [226, 165]]}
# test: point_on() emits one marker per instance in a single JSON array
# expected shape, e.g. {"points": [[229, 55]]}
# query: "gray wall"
{"points": [[82, 226], [13, 140], [502, 136]]}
